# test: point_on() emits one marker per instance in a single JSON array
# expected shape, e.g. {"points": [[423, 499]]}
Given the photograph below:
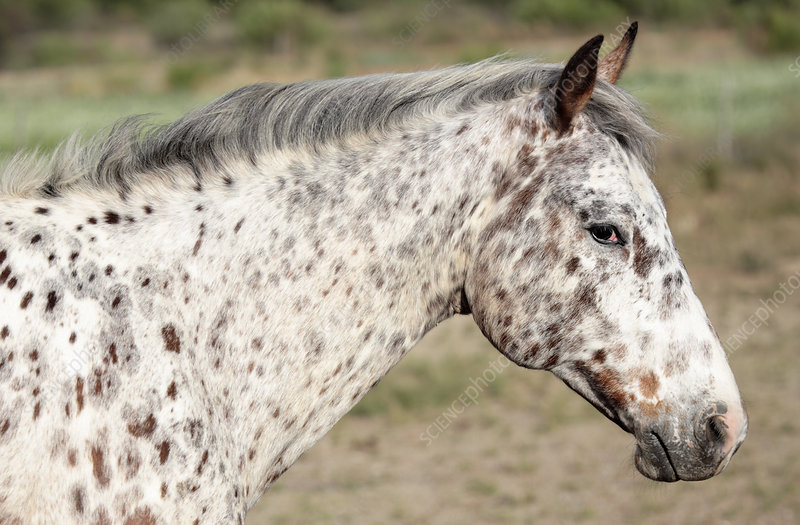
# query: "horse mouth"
{"points": [[653, 461]]}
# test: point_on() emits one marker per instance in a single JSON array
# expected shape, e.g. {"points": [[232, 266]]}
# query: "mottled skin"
{"points": [[164, 358]]}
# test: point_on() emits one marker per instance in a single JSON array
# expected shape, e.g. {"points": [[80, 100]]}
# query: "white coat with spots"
{"points": [[183, 314]]}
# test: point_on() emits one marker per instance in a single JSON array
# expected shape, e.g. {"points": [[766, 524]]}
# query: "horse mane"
{"points": [[267, 117]]}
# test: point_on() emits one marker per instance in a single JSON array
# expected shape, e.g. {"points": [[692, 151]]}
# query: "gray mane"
{"points": [[268, 117]]}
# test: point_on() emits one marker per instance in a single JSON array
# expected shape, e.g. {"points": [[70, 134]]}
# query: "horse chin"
{"points": [[652, 460]]}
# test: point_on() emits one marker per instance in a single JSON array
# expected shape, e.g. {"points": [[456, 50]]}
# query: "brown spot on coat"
{"points": [[141, 516], [129, 462], [572, 265], [203, 461], [163, 452], [26, 300], [52, 299], [101, 517], [172, 390], [79, 393], [171, 340], [644, 257], [99, 469], [143, 428], [648, 384], [77, 499]]}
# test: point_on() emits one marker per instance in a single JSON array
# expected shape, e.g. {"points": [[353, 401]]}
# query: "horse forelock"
{"points": [[268, 118]]}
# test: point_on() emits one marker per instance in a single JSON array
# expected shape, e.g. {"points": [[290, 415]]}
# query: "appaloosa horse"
{"points": [[185, 312]]}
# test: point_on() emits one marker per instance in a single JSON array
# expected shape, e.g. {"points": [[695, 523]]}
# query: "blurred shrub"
{"points": [[345, 5], [279, 25], [683, 11], [783, 29], [770, 25], [19, 18], [44, 14], [53, 50], [168, 22], [573, 13], [189, 74], [709, 174]]}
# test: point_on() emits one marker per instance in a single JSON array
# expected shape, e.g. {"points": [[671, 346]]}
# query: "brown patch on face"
{"points": [[587, 297], [618, 351], [606, 384], [572, 265], [644, 256], [679, 362], [522, 201], [649, 409], [705, 349], [648, 384], [671, 295], [599, 357], [610, 383]]}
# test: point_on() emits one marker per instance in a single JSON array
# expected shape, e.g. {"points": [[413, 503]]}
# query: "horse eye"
{"points": [[605, 234]]}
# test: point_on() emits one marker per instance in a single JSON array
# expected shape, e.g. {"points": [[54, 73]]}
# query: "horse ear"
{"points": [[574, 87], [613, 63]]}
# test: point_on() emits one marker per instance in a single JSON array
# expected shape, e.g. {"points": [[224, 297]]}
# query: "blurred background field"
{"points": [[722, 81]]}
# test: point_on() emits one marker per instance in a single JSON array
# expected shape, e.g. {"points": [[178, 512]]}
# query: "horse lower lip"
{"points": [[657, 465]]}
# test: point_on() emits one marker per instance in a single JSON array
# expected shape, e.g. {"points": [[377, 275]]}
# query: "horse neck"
{"points": [[370, 246], [291, 291]]}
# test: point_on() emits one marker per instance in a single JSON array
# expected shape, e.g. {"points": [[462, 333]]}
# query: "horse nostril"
{"points": [[716, 430]]}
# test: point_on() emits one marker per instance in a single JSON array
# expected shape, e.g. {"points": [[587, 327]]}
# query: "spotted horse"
{"points": [[187, 309]]}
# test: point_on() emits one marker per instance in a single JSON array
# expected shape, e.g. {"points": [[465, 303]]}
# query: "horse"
{"points": [[187, 309]]}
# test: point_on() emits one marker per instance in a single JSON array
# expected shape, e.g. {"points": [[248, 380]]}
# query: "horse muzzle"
{"points": [[662, 454]]}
